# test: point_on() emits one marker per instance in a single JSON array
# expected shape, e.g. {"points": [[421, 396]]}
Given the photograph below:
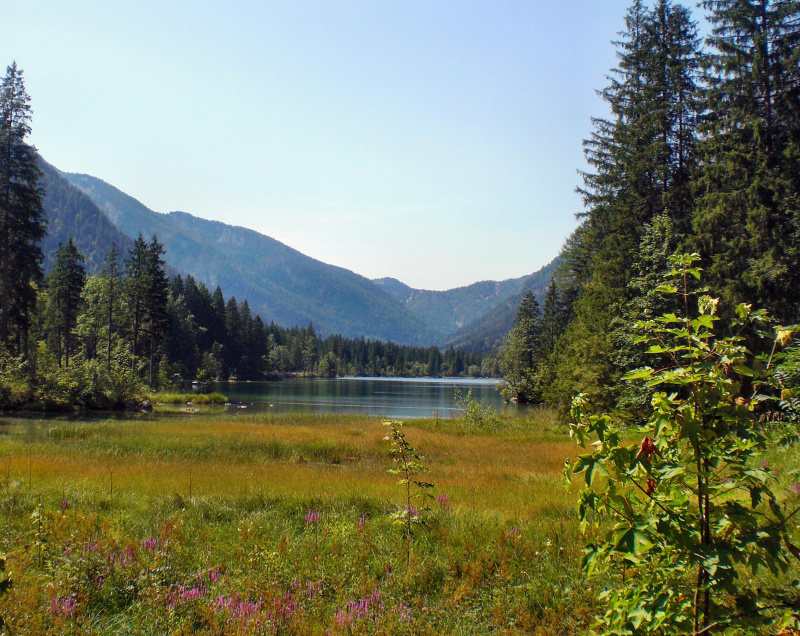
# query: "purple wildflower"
{"points": [[62, 606], [404, 613], [444, 502], [367, 608], [181, 594], [312, 517]]}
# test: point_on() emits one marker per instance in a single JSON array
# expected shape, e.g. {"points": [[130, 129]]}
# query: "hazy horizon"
{"points": [[435, 144]]}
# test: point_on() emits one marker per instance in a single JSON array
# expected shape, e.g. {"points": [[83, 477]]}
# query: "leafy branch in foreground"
{"points": [[692, 510], [408, 464]]}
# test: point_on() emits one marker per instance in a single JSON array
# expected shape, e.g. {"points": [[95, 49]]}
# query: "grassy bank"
{"points": [[281, 524]]}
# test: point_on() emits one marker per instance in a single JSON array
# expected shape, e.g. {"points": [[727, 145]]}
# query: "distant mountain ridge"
{"points": [[280, 283], [71, 213], [456, 308], [485, 333]]}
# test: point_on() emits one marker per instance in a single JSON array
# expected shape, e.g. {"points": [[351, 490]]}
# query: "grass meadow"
{"points": [[233, 523], [225, 523]]}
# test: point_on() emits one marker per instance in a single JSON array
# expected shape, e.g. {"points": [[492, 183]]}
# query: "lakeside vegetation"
{"points": [[283, 524], [688, 396]]}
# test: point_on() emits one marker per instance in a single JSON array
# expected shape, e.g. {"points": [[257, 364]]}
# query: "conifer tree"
{"points": [[748, 218], [111, 276], [519, 353], [156, 319], [65, 285], [643, 160], [136, 290], [22, 223]]}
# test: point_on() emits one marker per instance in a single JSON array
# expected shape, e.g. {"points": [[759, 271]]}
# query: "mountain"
{"points": [[280, 283], [72, 214], [448, 311], [486, 332]]}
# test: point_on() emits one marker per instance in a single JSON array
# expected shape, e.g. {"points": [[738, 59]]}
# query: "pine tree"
{"points": [[22, 223], [111, 277], [643, 161], [748, 218], [156, 320], [148, 292], [64, 286], [136, 290], [518, 355]]}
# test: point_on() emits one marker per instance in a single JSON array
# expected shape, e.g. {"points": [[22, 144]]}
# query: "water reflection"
{"points": [[401, 398]]}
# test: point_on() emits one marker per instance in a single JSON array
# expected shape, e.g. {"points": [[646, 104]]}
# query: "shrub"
{"points": [[691, 510]]}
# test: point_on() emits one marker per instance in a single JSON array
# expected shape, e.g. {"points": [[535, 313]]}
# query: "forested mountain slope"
{"points": [[451, 310], [280, 283], [486, 332], [72, 214]]}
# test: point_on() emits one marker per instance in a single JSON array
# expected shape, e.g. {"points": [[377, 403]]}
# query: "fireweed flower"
{"points": [[62, 606]]}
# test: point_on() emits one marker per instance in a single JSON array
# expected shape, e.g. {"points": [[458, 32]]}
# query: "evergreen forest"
{"points": [[104, 340], [662, 340], [700, 153]]}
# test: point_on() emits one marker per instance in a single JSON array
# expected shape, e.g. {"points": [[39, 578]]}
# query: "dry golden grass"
{"points": [[502, 475], [232, 494]]}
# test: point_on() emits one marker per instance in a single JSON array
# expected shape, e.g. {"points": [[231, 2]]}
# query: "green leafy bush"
{"points": [[691, 515]]}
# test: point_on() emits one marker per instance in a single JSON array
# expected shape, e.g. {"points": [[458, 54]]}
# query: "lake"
{"points": [[397, 398]]}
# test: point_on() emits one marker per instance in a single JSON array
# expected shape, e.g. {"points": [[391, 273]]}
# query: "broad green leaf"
{"points": [[666, 289], [638, 374], [633, 540]]}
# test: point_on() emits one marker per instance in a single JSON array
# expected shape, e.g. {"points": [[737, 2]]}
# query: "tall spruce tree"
{"points": [[518, 355], [642, 161], [136, 290], [748, 217], [156, 319], [22, 222], [64, 286], [111, 277]]}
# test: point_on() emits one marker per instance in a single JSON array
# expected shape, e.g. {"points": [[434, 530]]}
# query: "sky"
{"points": [[431, 141]]}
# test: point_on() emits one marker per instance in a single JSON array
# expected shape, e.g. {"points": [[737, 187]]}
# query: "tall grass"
{"points": [[187, 398], [281, 524]]}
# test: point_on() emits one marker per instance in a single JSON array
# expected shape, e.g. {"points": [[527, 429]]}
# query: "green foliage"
{"points": [[747, 223], [690, 515], [22, 223], [474, 413], [408, 464], [15, 381]]}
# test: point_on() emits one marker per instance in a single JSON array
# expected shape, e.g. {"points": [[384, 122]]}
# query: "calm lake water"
{"points": [[398, 398]]}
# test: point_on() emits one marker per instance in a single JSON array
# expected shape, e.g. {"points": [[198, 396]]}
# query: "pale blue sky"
{"points": [[435, 142]]}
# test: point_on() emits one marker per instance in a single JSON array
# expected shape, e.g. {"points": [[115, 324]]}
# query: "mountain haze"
{"points": [[453, 309], [485, 333], [280, 283], [72, 214]]}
